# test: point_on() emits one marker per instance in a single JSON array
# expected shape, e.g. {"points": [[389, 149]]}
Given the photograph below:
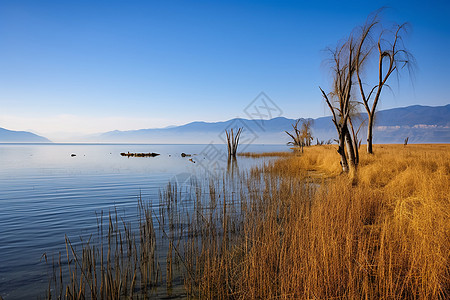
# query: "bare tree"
{"points": [[406, 141], [296, 135], [306, 132], [340, 102], [348, 60], [233, 141], [392, 57], [301, 137]]}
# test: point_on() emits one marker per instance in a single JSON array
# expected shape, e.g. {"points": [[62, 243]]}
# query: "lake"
{"points": [[48, 191]]}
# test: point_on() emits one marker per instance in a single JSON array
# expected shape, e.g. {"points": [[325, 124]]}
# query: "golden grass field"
{"points": [[382, 234], [294, 229]]}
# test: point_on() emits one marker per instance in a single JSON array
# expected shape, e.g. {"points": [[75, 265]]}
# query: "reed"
{"points": [[117, 263], [296, 228]]}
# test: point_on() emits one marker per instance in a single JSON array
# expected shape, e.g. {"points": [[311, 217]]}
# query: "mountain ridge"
{"points": [[427, 124], [422, 124], [12, 136]]}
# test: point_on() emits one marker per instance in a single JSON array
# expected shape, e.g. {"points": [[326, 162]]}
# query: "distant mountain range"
{"points": [[10, 136], [422, 124]]}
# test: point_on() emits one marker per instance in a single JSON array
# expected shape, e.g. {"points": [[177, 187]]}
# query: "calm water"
{"points": [[45, 193]]}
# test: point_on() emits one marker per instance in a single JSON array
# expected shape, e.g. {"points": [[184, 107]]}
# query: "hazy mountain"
{"points": [[414, 115], [10, 136], [422, 124]]}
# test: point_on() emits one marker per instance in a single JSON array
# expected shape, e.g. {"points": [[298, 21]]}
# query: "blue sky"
{"points": [[78, 67]]}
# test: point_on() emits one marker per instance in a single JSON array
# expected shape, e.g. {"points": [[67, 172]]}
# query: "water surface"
{"points": [[46, 193]]}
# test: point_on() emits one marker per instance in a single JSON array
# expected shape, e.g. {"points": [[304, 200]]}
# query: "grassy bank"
{"points": [[384, 234], [294, 229]]}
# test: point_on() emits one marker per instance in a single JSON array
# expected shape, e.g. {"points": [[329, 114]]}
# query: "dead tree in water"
{"points": [[233, 141]]}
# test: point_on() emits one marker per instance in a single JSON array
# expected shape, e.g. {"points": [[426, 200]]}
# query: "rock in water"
{"points": [[150, 154]]}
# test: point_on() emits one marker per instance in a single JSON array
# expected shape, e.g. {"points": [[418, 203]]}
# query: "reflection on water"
{"points": [[45, 193], [232, 166]]}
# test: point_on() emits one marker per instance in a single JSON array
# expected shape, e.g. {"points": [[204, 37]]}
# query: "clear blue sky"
{"points": [[93, 66]]}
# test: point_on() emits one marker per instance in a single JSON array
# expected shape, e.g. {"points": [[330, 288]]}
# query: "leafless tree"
{"points": [[233, 141], [392, 56], [296, 135], [340, 101], [306, 132], [406, 141], [348, 61], [301, 137]]}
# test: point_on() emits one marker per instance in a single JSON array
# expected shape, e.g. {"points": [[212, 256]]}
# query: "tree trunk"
{"points": [[370, 133], [356, 144], [350, 148], [356, 147], [341, 151]]}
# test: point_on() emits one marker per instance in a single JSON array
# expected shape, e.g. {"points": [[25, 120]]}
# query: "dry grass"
{"points": [[299, 229], [385, 237], [322, 160], [265, 154]]}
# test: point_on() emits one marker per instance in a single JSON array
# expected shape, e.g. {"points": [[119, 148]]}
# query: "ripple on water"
{"points": [[46, 194]]}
